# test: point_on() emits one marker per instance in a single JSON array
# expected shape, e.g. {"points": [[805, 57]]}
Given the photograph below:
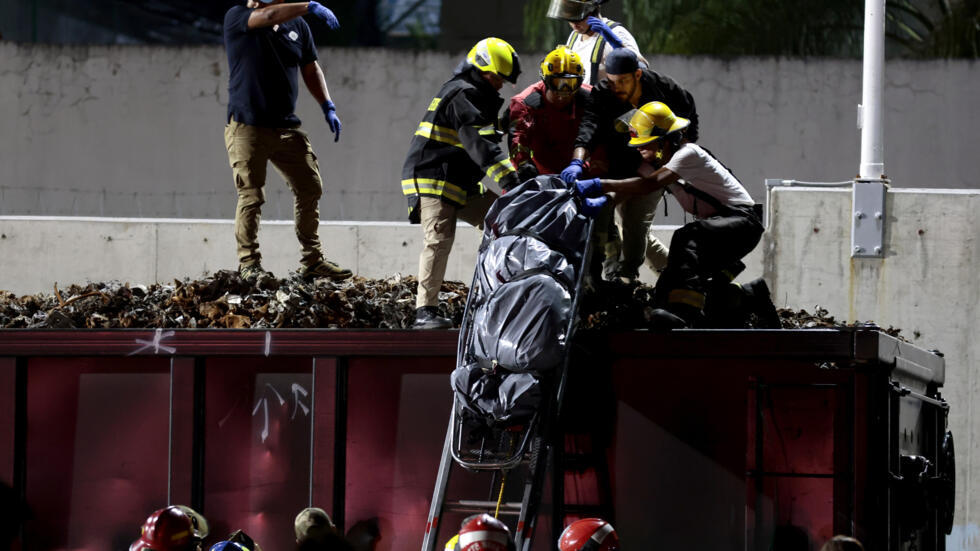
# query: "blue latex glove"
{"points": [[599, 26], [573, 171], [588, 188], [330, 112], [325, 14], [591, 206]]}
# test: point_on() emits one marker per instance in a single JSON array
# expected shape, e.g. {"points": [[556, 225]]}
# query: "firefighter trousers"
{"points": [[438, 232], [702, 248]]}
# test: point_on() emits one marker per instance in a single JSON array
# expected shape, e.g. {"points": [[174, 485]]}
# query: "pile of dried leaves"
{"points": [[628, 306], [225, 301], [821, 318]]}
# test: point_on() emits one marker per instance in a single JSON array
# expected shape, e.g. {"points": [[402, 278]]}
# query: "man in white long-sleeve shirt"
{"points": [[593, 36]]}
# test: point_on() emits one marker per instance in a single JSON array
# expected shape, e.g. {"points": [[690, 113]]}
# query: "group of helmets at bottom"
{"points": [[485, 533]]}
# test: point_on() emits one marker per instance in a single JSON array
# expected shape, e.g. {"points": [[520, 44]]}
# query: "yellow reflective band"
{"points": [[500, 169], [686, 296], [520, 148], [599, 44], [431, 186], [438, 133], [488, 130], [434, 104]]}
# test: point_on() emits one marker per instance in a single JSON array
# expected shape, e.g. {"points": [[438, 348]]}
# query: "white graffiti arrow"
{"points": [[264, 402], [297, 390]]}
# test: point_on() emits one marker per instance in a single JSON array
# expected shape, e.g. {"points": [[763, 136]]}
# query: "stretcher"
{"points": [[512, 358]]}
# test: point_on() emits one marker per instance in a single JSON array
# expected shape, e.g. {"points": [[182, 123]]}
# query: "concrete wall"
{"points": [[39, 252], [137, 131], [927, 285]]}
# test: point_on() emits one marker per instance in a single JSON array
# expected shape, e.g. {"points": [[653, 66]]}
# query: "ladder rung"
{"points": [[476, 506]]}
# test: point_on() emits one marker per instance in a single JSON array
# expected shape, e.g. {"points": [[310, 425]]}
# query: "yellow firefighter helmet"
{"points": [[562, 70], [494, 55], [653, 121]]}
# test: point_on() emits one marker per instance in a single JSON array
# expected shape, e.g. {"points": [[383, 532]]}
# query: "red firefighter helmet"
{"points": [[484, 533], [589, 534], [167, 529]]}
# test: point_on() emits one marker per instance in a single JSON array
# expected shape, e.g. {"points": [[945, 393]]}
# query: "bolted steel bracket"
{"points": [[868, 219]]}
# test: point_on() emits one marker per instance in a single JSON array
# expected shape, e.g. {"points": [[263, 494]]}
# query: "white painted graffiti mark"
{"points": [[297, 390], [156, 344], [263, 404]]}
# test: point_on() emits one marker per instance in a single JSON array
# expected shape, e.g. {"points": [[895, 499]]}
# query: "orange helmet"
{"points": [[484, 533], [589, 534], [167, 529]]}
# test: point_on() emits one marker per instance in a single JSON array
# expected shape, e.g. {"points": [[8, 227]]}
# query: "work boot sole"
{"points": [[662, 320], [333, 277], [433, 324]]}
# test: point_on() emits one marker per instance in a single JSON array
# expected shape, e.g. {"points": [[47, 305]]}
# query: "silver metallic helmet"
{"points": [[572, 10]]}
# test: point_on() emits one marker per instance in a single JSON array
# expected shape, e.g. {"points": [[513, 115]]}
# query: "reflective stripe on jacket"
{"points": [[457, 144]]}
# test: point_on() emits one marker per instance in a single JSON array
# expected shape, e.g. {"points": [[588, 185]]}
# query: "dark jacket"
{"points": [[598, 124], [456, 144]]}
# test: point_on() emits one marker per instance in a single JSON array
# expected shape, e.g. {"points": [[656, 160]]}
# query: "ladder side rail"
{"points": [[550, 437], [439, 493]]}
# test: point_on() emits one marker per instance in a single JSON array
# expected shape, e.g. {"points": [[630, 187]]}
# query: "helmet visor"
{"points": [[564, 84], [570, 10], [622, 123]]}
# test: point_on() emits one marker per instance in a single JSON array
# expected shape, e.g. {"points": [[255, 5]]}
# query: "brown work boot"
{"points": [[251, 273], [327, 269]]}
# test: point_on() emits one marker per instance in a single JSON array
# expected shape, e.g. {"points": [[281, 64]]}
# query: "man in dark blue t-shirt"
{"points": [[268, 44]]}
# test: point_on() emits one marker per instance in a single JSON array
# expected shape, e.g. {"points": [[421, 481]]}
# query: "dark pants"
{"points": [[702, 248]]}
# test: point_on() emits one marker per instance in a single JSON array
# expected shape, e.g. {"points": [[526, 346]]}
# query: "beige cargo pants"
{"points": [[639, 243], [250, 149], [438, 232]]}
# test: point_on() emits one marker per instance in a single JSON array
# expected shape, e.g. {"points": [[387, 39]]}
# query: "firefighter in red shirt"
{"points": [[544, 118], [543, 122]]}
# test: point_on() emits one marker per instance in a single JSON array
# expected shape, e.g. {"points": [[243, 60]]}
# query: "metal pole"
{"points": [[872, 146], [868, 195]]}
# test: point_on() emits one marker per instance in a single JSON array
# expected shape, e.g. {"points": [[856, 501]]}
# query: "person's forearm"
{"points": [[639, 185], [629, 186], [273, 15], [316, 83], [580, 153]]}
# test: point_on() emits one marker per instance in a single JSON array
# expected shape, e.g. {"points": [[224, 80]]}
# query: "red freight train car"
{"points": [[708, 439]]}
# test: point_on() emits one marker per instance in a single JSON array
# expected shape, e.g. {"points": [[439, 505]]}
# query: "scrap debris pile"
{"points": [[223, 300]]}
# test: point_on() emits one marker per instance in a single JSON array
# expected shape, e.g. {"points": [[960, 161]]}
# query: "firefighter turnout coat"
{"points": [[456, 144]]}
